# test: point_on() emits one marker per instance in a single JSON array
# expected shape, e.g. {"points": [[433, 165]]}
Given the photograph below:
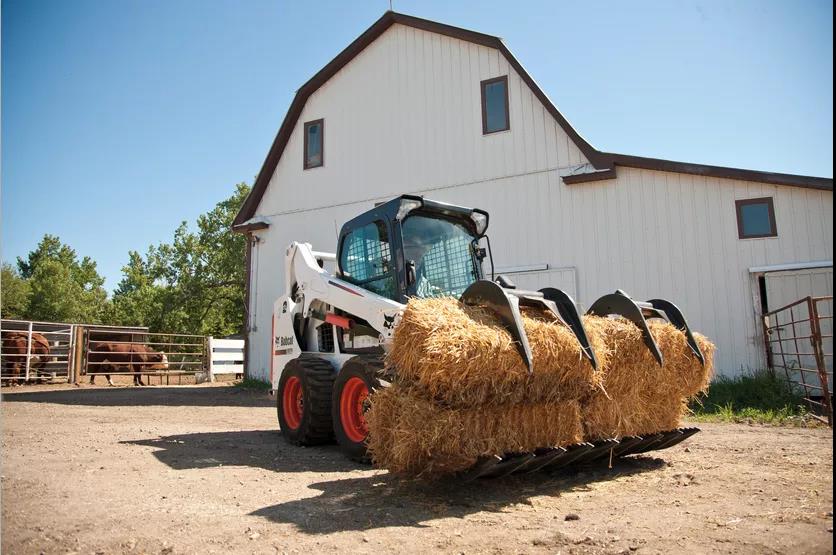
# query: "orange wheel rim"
{"points": [[352, 409], [293, 405]]}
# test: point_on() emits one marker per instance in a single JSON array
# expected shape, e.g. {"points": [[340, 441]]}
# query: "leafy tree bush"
{"points": [[195, 284], [14, 297], [53, 284]]}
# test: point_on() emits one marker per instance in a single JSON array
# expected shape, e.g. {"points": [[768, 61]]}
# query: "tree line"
{"points": [[194, 284]]}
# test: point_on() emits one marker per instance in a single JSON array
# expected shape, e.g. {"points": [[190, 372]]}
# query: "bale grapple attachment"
{"points": [[504, 300]]}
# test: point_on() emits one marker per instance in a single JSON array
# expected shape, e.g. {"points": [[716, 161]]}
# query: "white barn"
{"points": [[415, 106]]}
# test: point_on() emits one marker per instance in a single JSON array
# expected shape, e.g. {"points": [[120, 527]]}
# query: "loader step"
{"points": [[557, 458]]}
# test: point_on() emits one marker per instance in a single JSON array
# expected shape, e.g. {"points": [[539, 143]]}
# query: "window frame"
{"points": [[390, 273], [308, 124], [738, 206], [482, 87]]}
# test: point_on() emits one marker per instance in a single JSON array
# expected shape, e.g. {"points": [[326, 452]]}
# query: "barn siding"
{"points": [[405, 116]]}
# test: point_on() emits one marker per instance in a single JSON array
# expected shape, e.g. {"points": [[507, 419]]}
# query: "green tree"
{"points": [[62, 287], [195, 284], [14, 293]]}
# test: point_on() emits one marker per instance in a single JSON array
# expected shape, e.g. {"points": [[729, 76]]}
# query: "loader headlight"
{"points": [[481, 220]]}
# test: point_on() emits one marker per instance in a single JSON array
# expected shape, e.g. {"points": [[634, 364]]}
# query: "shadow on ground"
{"points": [[256, 448], [146, 396], [381, 500], [372, 499]]}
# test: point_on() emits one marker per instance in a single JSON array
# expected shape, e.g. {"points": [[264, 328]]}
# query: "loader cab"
{"points": [[413, 247]]}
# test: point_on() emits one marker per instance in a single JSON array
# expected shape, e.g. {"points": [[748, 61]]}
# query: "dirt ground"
{"points": [[202, 469]]}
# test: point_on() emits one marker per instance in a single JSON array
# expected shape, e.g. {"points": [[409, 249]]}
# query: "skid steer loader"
{"points": [[331, 330]]}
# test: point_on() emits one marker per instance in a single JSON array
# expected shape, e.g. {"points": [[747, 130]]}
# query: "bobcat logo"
{"points": [[282, 345], [283, 342]]}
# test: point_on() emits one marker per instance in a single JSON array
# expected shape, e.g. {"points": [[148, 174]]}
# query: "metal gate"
{"points": [[37, 352], [799, 340], [112, 351]]}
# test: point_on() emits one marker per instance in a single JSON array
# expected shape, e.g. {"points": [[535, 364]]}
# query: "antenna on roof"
{"points": [[390, 5]]}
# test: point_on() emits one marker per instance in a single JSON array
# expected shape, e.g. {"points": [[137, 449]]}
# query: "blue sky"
{"points": [[120, 119]]}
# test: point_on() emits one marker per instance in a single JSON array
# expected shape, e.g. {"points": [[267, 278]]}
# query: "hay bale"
{"points": [[414, 436], [462, 357], [638, 396]]}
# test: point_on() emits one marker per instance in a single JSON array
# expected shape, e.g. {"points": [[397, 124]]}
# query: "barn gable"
{"points": [[392, 44]]}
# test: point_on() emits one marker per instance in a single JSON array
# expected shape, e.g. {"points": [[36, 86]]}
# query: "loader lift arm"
{"points": [[308, 282]]}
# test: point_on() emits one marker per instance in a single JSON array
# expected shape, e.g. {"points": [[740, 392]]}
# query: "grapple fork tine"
{"points": [[676, 318], [568, 313], [506, 307], [621, 304]]}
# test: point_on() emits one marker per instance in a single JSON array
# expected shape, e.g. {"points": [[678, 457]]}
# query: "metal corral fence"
{"points": [[36, 351], [799, 340], [112, 351]]}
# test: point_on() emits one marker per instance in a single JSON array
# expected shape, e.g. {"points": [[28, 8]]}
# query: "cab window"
{"points": [[442, 254], [366, 259]]}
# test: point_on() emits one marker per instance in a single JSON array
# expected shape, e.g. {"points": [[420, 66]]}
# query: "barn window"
{"points": [[756, 218], [495, 105], [314, 143]]}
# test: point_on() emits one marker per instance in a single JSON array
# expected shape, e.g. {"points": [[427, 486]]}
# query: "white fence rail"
{"points": [[226, 356]]}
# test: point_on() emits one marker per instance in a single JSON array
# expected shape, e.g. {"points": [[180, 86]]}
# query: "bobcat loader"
{"points": [[331, 331]]}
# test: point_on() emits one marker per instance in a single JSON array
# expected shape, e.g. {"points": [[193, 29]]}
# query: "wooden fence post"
{"points": [[211, 358], [78, 349]]}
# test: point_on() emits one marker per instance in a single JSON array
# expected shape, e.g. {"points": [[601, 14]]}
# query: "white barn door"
{"points": [[783, 288]]}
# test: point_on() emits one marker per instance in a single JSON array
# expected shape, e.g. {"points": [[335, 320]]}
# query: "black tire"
{"points": [[316, 377], [369, 369]]}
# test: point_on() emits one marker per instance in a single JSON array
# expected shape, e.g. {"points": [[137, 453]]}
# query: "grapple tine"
{"points": [[628, 443], [567, 310], [601, 449], [621, 304], [482, 467], [650, 442], [508, 465], [572, 454], [507, 308], [681, 435], [544, 458], [676, 318]]}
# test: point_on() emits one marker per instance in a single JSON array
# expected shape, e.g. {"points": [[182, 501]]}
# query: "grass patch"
{"points": [[252, 384], [759, 397]]}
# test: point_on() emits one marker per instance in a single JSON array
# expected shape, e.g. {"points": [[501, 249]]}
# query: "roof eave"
{"points": [[641, 162]]}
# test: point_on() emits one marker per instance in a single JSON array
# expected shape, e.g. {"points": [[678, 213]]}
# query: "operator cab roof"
{"points": [[399, 208]]}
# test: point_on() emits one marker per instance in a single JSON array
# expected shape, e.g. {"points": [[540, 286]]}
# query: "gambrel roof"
{"points": [[604, 163]]}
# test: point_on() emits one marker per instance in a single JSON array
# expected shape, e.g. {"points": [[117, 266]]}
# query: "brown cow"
{"points": [[115, 357], [15, 345]]}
